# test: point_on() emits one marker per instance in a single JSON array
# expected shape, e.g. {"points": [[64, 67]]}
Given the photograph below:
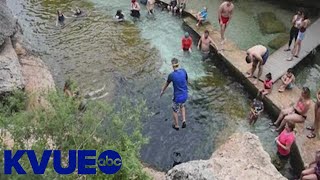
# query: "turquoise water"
{"points": [[308, 73], [243, 29], [133, 59]]}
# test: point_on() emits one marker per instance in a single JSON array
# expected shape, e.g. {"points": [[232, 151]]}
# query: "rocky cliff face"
{"points": [[241, 157], [8, 23], [18, 68], [10, 69]]}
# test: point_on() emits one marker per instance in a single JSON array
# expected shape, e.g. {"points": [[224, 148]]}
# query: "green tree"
{"points": [[62, 126]]}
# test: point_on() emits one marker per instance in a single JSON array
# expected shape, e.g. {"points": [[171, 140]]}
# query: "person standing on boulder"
{"points": [[224, 14], [179, 79], [258, 56]]}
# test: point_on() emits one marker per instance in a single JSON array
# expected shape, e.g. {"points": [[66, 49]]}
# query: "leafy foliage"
{"points": [[62, 126]]}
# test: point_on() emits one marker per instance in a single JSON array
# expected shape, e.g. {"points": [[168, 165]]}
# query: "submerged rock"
{"points": [[269, 24], [8, 23], [10, 70], [241, 157], [279, 41]]}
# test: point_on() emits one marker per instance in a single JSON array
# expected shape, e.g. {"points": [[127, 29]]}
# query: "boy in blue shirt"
{"points": [[202, 16], [179, 79]]}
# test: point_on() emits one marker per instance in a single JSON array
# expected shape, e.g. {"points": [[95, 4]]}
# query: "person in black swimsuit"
{"points": [[60, 18]]}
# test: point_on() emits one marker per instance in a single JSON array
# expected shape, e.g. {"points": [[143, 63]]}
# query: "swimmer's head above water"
{"points": [[78, 11], [119, 12], [59, 13]]}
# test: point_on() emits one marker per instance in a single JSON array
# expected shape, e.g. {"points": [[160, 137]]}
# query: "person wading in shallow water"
{"points": [[60, 18], [204, 45], [284, 142], [135, 9], [179, 79]]}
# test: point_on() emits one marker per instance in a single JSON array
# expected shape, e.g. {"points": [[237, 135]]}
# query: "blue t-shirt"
{"points": [[204, 14], [179, 79]]}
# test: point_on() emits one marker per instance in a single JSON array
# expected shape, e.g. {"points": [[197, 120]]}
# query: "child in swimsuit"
{"points": [[267, 83], [256, 108]]}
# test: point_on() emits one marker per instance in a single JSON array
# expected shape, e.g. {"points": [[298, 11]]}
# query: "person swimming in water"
{"points": [[256, 109], [60, 18], [119, 16], [78, 12]]}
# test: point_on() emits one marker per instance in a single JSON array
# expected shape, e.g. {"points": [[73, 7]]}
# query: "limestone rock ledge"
{"points": [[241, 157], [10, 70]]}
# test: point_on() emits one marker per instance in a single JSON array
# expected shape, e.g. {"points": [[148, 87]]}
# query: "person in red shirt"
{"points": [[284, 142], [186, 42]]}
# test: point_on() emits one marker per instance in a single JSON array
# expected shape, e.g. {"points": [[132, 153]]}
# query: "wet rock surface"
{"points": [[241, 157], [279, 41], [10, 70], [270, 24], [8, 23]]}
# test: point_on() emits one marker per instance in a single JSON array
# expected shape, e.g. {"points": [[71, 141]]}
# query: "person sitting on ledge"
{"points": [[267, 84], [313, 171], [296, 113], [316, 123], [287, 80], [202, 16], [172, 7]]}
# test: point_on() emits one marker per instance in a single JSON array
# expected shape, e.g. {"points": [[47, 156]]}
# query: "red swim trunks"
{"points": [[224, 20]]}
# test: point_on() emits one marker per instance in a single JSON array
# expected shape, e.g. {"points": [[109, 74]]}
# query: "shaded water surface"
{"points": [[133, 60]]}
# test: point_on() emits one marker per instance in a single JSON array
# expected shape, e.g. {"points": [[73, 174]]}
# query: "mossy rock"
{"points": [[269, 24], [279, 41]]}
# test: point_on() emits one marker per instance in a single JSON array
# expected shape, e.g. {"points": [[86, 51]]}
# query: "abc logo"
{"points": [[109, 162]]}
